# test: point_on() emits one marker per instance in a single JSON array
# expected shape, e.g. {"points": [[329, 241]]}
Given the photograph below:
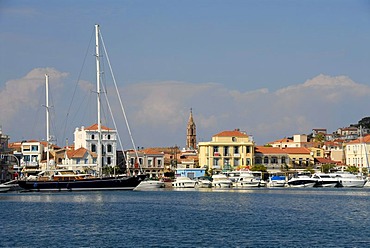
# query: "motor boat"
{"points": [[325, 180], [221, 181], [203, 182], [248, 179], [276, 181], [150, 184], [350, 180], [302, 181], [183, 182], [9, 186]]}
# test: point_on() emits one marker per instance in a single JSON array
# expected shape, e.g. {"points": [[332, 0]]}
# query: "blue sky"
{"points": [[272, 68]]}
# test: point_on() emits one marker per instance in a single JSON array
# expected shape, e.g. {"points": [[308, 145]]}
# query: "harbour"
{"points": [[206, 217]]}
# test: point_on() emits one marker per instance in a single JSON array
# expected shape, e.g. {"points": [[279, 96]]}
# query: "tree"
{"points": [[259, 167], [364, 122], [352, 169], [310, 169], [320, 137], [325, 168]]}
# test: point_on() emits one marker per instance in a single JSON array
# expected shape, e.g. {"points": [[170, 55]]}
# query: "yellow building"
{"points": [[228, 150]]}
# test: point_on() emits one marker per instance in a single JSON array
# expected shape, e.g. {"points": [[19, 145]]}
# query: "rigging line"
{"points": [[115, 127], [120, 100], [78, 80]]}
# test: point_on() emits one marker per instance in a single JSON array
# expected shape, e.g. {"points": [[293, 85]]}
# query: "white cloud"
{"points": [[158, 111], [21, 96]]}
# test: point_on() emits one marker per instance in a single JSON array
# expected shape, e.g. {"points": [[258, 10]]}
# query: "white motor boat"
{"points": [[350, 180], [326, 180], [302, 181], [183, 182], [276, 181], [221, 181], [247, 179], [203, 182], [9, 186], [4, 188], [150, 184]]}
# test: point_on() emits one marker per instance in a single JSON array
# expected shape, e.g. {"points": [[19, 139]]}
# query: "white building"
{"points": [[88, 139], [357, 152]]}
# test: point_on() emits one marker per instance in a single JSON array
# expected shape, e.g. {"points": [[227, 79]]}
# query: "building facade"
{"points": [[228, 150], [88, 139], [150, 161], [357, 153]]}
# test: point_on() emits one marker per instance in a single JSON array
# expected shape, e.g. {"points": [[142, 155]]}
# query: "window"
{"points": [[109, 160], [283, 160], [26, 148], [274, 160], [34, 148], [236, 149], [150, 162], [248, 161], [227, 161], [236, 162], [109, 148], [108, 136], [215, 149], [258, 160], [318, 153], [215, 162], [248, 149], [27, 158], [159, 162], [93, 147], [226, 150], [93, 136], [265, 160]]}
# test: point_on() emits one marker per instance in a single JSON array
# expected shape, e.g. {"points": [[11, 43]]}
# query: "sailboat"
{"points": [[55, 181]]}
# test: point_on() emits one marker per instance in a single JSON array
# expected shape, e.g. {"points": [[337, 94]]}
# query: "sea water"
{"points": [[187, 218]]}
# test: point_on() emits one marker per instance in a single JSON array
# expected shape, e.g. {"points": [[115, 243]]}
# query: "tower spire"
{"points": [[191, 134]]}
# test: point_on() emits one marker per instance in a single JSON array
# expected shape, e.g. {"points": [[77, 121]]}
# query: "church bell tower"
{"points": [[191, 133]]}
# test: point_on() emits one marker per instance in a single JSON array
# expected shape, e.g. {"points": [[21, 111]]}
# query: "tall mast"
{"points": [[47, 121], [99, 160]]}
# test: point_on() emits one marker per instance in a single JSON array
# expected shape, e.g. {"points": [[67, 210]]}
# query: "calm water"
{"points": [[187, 218]]}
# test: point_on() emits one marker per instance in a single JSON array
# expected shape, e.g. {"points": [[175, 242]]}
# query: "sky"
{"points": [[271, 68]]}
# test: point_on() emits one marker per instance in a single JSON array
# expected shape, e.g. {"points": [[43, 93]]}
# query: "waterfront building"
{"points": [[298, 140], [151, 161], [191, 173], [228, 150], [88, 139], [32, 154], [277, 158], [80, 159], [357, 152]]}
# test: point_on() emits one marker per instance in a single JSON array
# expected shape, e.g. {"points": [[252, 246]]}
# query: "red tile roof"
{"points": [[79, 153], [234, 133], [284, 150], [365, 139], [95, 127]]}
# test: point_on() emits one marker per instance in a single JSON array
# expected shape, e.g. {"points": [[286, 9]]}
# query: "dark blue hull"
{"points": [[107, 183]]}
